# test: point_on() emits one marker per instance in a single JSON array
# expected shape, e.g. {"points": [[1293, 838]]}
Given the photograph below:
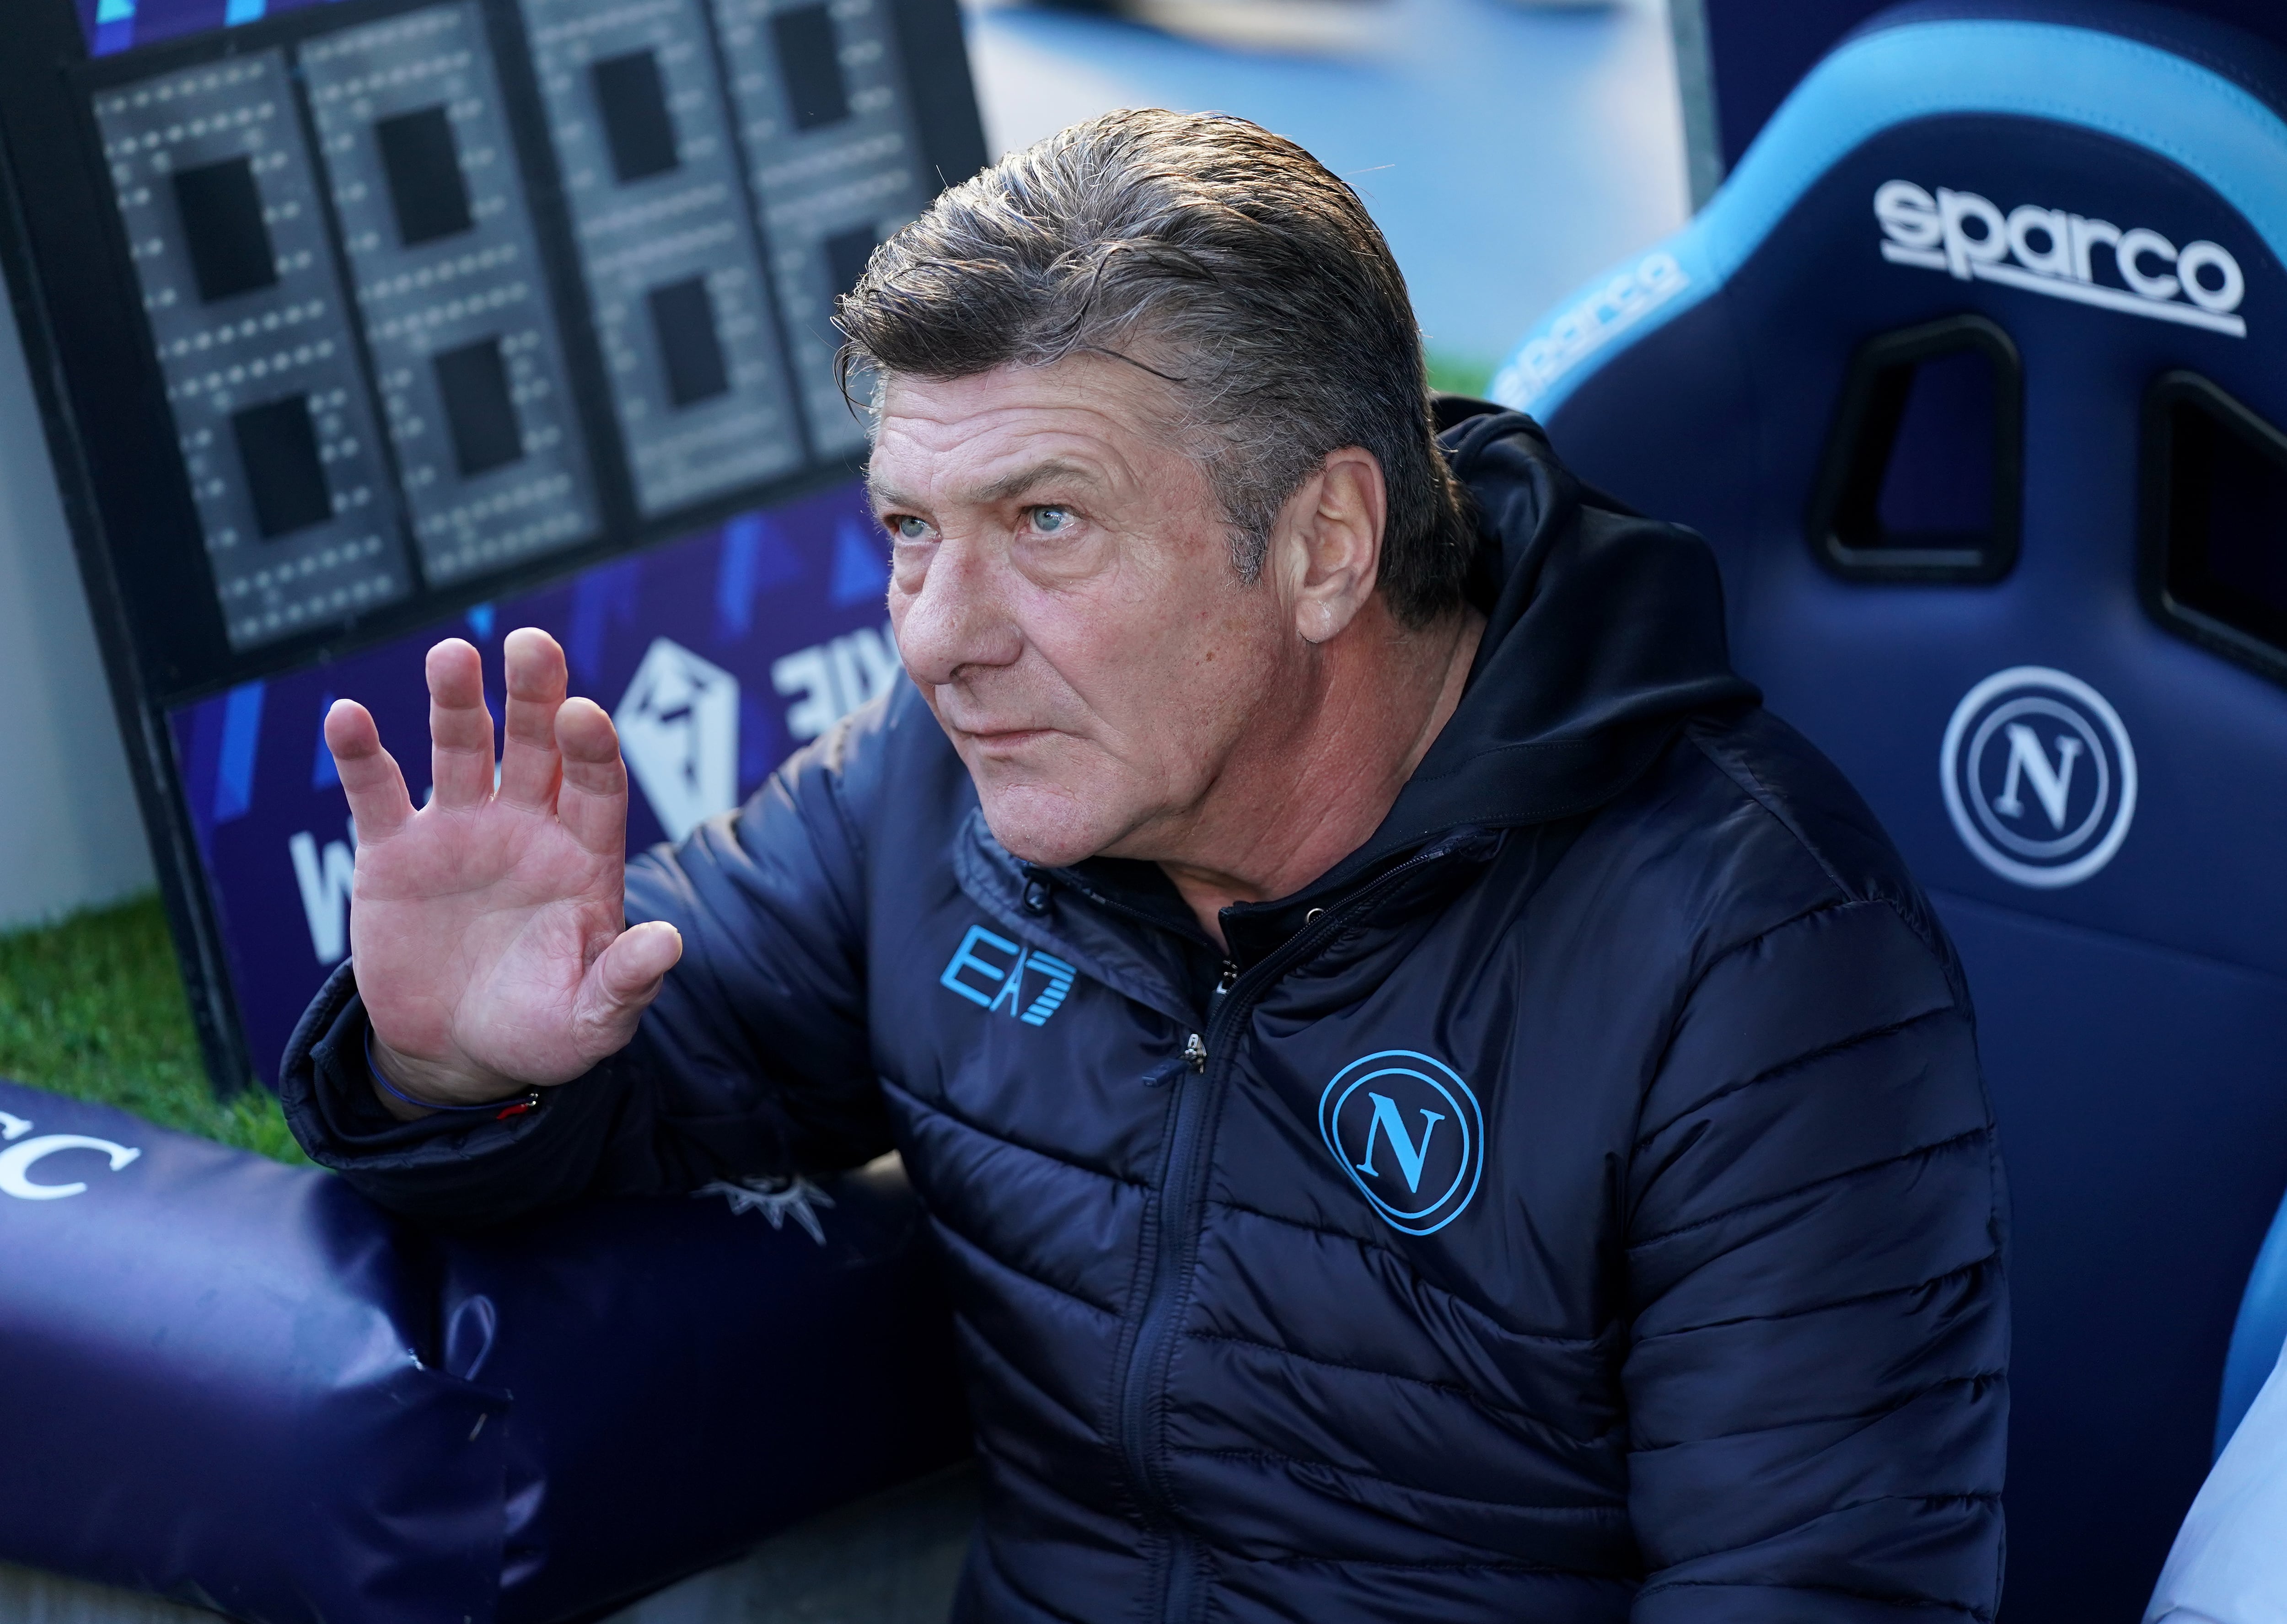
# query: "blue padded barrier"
{"points": [[241, 1385], [2132, 1002], [689, 1379], [212, 1387]]}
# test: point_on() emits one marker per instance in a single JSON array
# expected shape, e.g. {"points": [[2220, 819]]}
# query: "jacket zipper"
{"points": [[1176, 1228]]}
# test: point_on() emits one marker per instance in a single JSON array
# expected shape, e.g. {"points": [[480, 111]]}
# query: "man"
{"points": [[1435, 1105]]}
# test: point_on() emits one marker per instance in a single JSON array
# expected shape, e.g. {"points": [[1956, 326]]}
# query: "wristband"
{"points": [[501, 1109]]}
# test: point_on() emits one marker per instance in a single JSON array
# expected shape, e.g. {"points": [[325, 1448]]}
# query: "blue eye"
{"points": [[908, 528], [1050, 521]]}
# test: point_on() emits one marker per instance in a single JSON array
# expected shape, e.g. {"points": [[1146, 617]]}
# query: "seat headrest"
{"points": [[2111, 157]]}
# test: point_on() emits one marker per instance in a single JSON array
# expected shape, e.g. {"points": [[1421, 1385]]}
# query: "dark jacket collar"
{"points": [[1604, 632]]}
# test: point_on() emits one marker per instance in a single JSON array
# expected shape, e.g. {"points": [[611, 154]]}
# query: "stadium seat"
{"points": [[240, 1385], [1975, 374]]}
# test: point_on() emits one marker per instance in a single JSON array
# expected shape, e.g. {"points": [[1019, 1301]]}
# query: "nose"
{"points": [[959, 618]]}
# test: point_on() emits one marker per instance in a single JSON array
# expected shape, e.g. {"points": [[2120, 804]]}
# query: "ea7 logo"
{"points": [[990, 969], [2048, 250], [1408, 1132]]}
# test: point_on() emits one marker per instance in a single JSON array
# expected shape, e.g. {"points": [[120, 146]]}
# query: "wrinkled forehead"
{"points": [[1086, 420]]}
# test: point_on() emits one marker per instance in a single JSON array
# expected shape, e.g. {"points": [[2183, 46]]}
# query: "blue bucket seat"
{"points": [[1975, 373]]}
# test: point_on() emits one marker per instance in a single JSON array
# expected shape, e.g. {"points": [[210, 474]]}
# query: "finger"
{"points": [[460, 727], [369, 773], [593, 805], [620, 984], [529, 767]]}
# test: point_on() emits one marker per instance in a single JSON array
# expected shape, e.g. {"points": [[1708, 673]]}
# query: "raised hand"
{"points": [[486, 927]]}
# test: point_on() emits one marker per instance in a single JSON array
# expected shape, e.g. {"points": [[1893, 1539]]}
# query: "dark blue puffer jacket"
{"points": [[1583, 1204]]}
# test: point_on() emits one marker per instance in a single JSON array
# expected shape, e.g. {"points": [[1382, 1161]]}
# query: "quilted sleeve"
{"points": [[1816, 1377], [758, 1047]]}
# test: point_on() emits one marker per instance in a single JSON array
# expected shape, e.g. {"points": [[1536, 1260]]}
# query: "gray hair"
{"points": [[1224, 259]]}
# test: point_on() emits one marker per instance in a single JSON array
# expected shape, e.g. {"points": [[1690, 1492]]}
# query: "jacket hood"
{"points": [[1604, 631]]}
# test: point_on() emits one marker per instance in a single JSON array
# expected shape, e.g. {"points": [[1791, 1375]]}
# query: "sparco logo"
{"points": [[2038, 776], [2048, 250], [1407, 1130], [1588, 325]]}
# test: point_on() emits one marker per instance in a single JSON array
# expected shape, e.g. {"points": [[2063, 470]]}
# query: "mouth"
{"points": [[1005, 740]]}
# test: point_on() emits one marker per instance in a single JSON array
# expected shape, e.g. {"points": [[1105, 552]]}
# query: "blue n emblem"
{"points": [[1410, 1156], [1366, 1110], [1003, 988]]}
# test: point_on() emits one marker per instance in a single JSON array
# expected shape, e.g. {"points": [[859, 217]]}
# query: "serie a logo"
{"points": [[1408, 1132]]}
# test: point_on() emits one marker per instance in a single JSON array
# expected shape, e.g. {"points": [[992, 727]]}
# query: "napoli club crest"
{"points": [[1408, 1132], [2038, 776]]}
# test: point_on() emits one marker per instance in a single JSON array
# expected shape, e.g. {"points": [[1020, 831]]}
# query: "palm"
{"points": [[487, 926], [471, 933]]}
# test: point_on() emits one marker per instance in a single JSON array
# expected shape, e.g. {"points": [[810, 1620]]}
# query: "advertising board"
{"points": [[360, 323]]}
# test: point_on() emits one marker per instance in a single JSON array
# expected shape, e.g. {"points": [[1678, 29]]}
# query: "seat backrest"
{"points": [[1970, 373]]}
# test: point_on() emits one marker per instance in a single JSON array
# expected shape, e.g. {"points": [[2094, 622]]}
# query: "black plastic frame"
{"points": [[2157, 510], [111, 437], [1847, 471]]}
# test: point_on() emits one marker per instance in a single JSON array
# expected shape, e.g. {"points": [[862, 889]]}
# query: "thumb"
{"points": [[621, 984]]}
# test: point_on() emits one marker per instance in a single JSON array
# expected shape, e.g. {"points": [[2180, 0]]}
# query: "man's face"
{"points": [[1062, 593]]}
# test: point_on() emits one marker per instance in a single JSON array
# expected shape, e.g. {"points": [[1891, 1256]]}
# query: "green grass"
{"points": [[93, 1007], [1459, 375]]}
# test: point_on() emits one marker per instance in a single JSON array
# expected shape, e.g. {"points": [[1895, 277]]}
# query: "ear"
{"points": [[1327, 547]]}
